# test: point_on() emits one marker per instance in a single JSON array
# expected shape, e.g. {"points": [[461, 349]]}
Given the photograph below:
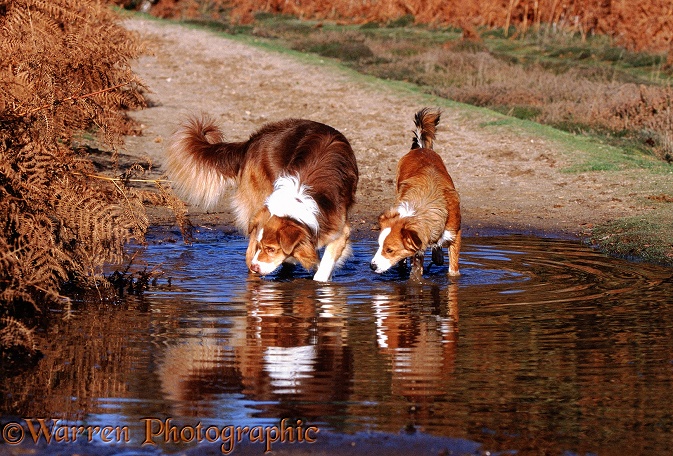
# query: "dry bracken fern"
{"points": [[64, 69]]}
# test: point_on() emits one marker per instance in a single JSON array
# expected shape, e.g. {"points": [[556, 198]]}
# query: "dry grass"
{"points": [[554, 69], [570, 100]]}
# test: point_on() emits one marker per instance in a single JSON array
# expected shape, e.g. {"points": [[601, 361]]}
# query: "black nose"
{"points": [[372, 266]]}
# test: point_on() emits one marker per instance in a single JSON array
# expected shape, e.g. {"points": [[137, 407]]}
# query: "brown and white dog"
{"points": [[427, 207], [295, 183]]}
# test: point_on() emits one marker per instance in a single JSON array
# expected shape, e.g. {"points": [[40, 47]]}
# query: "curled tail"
{"points": [[200, 164], [426, 121]]}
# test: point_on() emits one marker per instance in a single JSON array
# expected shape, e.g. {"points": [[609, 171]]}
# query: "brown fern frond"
{"points": [[75, 98], [64, 69], [62, 11], [179, 209]]}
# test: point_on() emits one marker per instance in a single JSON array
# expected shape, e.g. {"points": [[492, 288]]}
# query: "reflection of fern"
{"points": [[13, 333], [64, 68]]}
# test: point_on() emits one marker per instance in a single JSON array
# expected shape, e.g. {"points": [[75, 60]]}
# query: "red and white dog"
{"points": [[427, 207], [295, 183]]}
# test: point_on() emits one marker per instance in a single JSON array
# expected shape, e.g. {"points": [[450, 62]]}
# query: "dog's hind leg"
{"points": [[454, 253], [335, 254], [452, 231]]}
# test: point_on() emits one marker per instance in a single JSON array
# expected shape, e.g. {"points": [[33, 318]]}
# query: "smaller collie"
{"points": [[426, 213], [295, 182]]}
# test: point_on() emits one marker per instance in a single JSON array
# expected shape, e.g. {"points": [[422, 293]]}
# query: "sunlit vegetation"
{"points": [[583, 68], [64, 75]]}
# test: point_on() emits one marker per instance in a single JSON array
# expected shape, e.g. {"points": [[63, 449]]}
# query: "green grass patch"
{"points": [[520, 112], [615, 151], [647, 237], [584, 152], [221, 27], [403, 21], [604, 157], [348, 51]]}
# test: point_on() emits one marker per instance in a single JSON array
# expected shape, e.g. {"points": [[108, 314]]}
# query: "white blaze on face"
{"points": [[382, 263], [264, 267]]}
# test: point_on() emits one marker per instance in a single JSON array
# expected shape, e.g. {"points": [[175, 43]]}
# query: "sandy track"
{"points": [[507, 177]]}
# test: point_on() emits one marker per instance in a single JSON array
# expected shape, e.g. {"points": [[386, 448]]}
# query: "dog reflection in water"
{"points": [[417, 329], [299, 344], [289, 343]]}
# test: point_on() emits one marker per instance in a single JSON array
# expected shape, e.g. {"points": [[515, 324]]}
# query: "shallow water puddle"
{"points": [[541, 344]]}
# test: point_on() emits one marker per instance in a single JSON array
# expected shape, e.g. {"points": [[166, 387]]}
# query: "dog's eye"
{"points": [[270, 250], [389, 250]]}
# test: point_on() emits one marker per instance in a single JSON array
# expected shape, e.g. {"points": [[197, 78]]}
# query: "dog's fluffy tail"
{"points": [[426, 121], [200, 164]]}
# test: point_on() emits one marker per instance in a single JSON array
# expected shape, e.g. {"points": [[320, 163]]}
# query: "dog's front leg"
{"points": [[252, 247], [416, 273], [437, 255], [334, 255]]}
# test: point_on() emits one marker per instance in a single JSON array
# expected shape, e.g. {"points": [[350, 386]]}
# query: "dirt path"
{"points": [[507, 177]]}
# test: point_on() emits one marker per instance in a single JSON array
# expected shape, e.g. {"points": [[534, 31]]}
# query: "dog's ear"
{"points": [[307, 255], [289, 235], [295, 240], [259, 219], [410, 239]]}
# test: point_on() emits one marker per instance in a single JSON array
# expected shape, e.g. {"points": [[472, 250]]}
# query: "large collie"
{"points": [[295, 183], [427, 207]]}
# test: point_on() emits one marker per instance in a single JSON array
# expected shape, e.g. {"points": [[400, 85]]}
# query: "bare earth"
{"points": [[508, 178]]}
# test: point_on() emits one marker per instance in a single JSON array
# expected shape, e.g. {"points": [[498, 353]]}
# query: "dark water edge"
{"points": [[542, 346]]}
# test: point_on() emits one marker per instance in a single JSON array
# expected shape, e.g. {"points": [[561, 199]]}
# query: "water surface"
{"points": [[542, 346]]}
